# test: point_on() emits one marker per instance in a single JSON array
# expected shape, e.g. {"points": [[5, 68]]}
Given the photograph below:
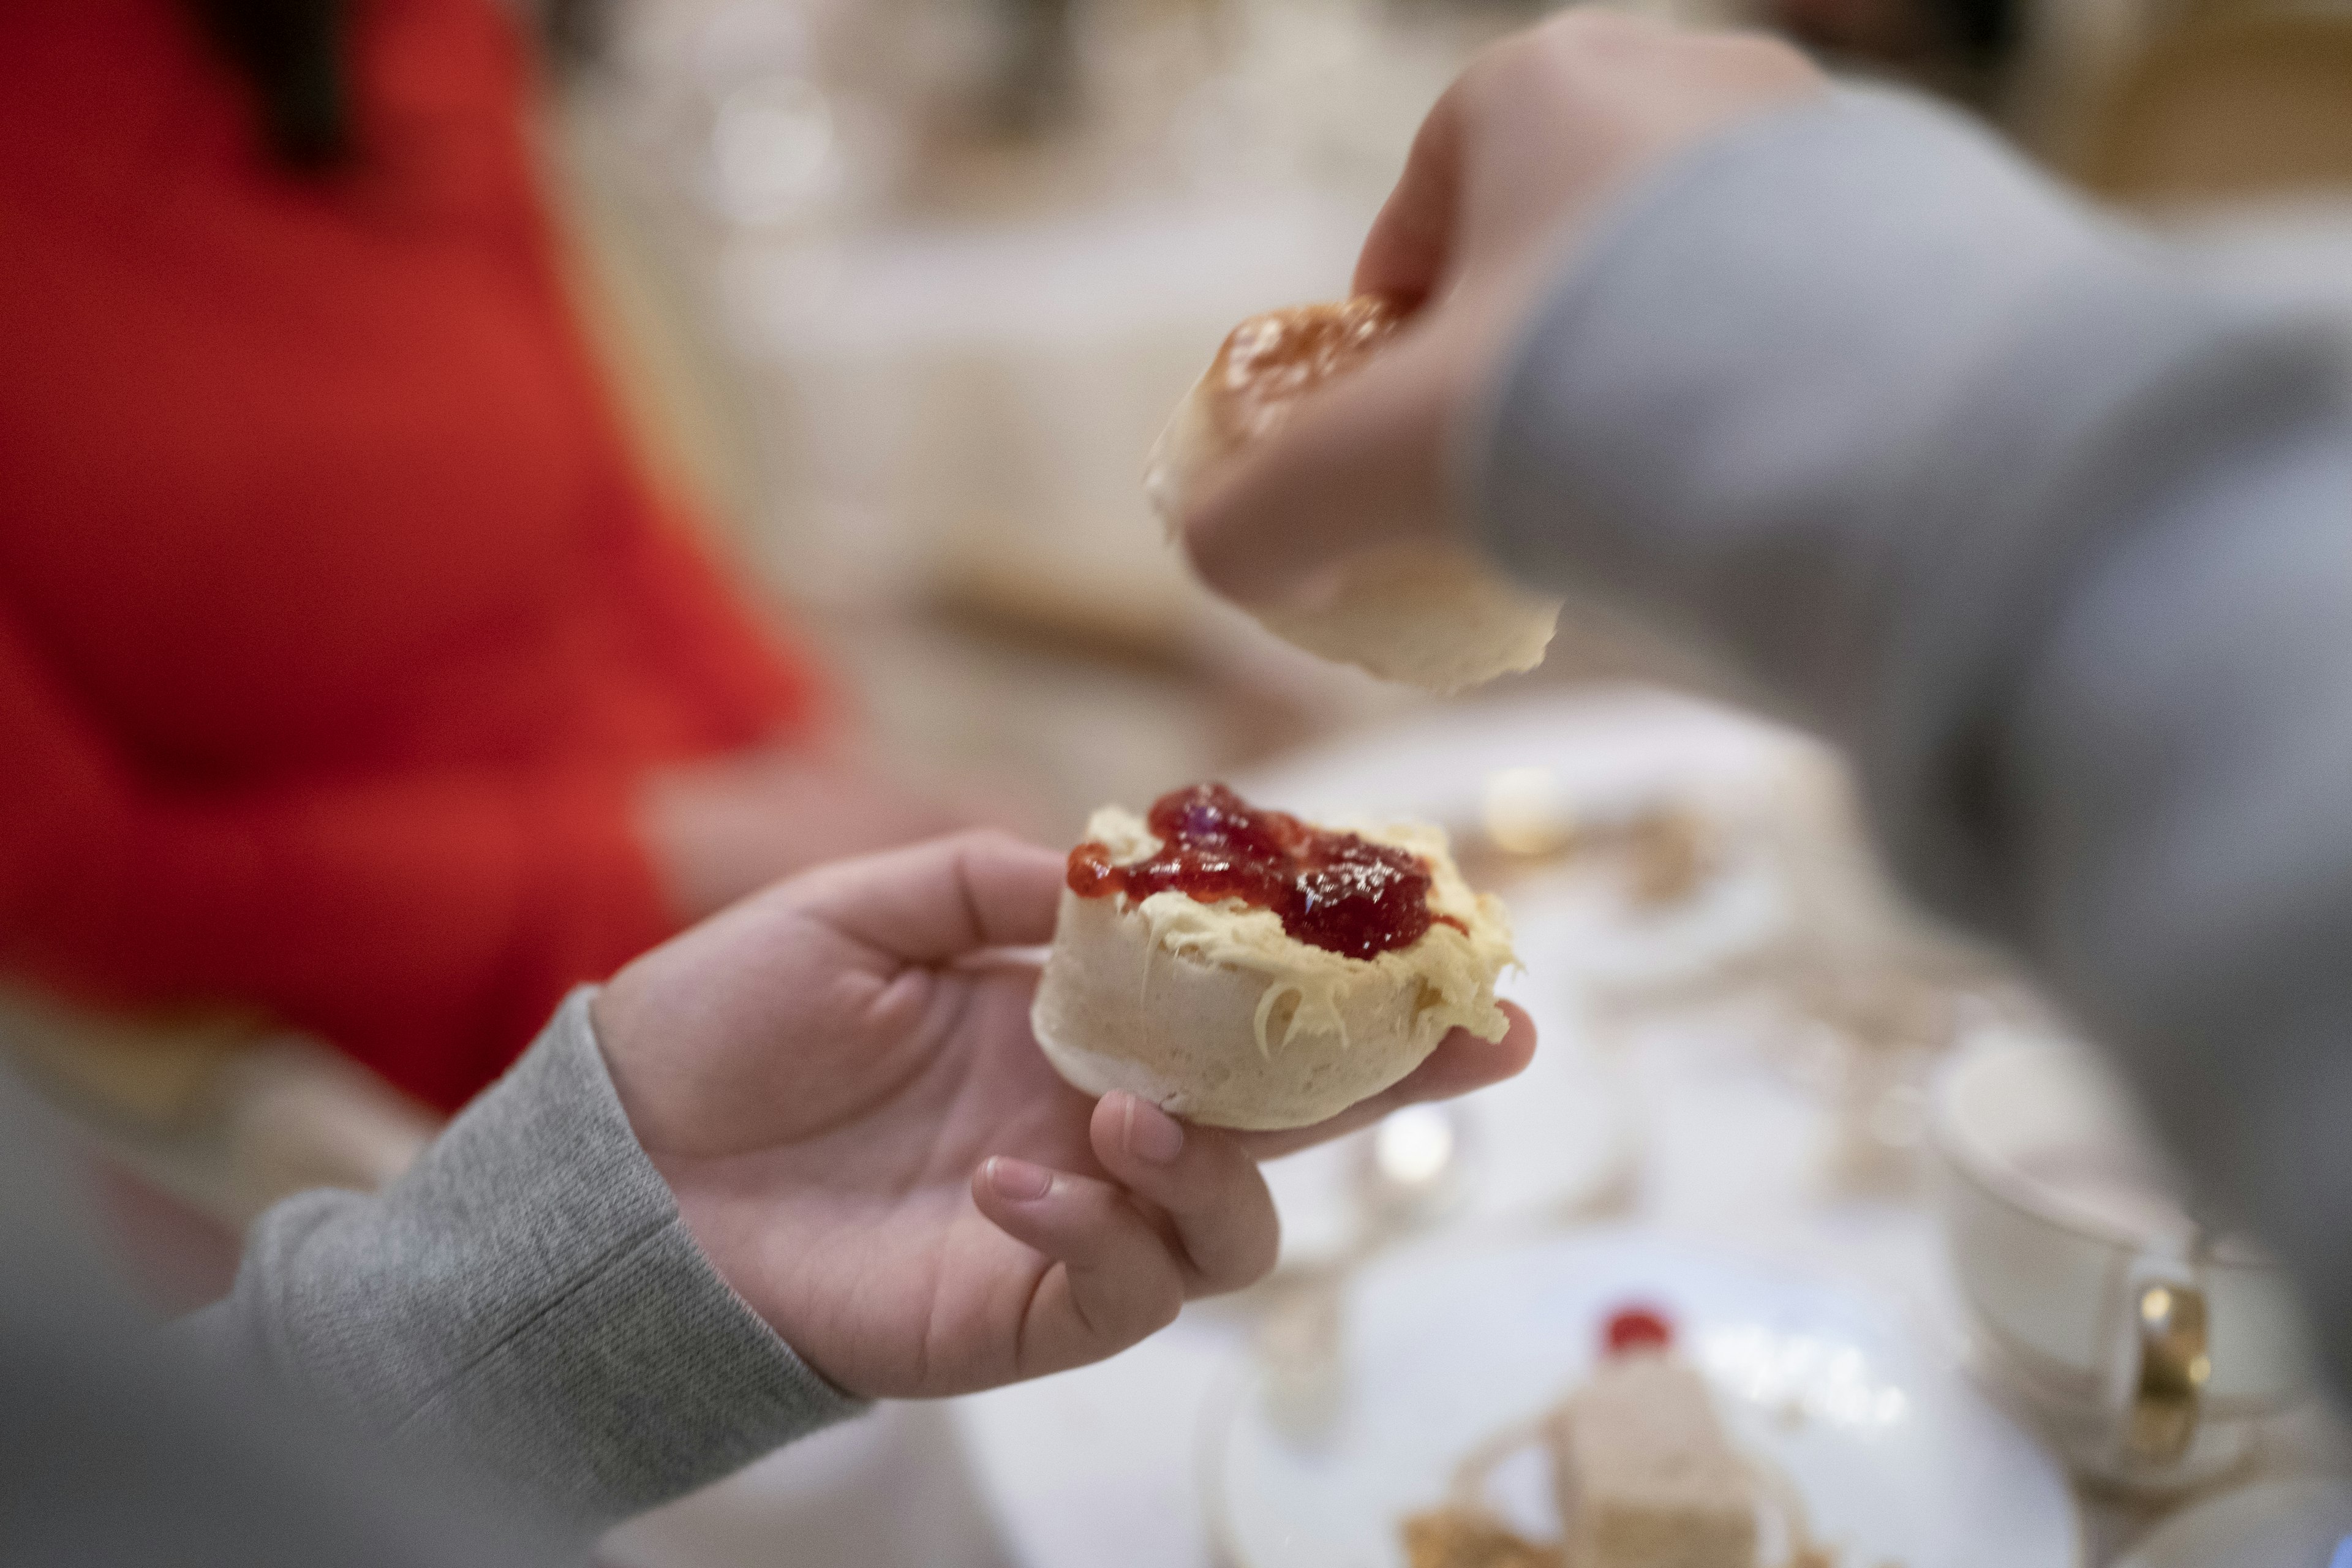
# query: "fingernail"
{"points": [[1018, 1179], [1151, 1134]]}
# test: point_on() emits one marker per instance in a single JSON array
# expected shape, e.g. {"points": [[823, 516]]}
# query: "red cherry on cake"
{"points": [[1633, 1328]]}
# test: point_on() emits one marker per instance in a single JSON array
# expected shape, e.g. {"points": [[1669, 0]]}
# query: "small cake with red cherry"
{"points": [[1239, 967], [1645, 1473]]}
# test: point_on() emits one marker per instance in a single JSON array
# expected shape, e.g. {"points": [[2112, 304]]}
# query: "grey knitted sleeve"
{"points": [[524, 1306]]}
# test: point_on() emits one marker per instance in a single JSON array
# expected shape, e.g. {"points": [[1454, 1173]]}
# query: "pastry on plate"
{"points": [[1643, 1473], [1645, 1476], [1239, 967], [1452, 1538], [1433, 615]]}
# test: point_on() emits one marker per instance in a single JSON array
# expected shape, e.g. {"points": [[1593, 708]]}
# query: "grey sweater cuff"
{"points": [[1843, 401], [527, 1303]]}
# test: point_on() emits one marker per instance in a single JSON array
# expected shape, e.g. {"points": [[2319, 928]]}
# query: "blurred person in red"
{"points": [[350, 665]]}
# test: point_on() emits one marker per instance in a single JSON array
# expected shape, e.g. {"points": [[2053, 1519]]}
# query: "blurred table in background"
{"points": [[950, 330], [2170, 104], [914, 337], [192, 1124]]}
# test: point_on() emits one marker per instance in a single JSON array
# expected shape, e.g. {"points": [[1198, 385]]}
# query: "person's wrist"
{"points": [[616, 1017]]}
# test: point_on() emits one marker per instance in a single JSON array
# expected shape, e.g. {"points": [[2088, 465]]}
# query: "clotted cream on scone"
{"points": [[1240, 968]]}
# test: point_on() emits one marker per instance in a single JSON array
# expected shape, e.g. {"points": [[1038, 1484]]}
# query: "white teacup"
{"points": [[2146, 1346]]}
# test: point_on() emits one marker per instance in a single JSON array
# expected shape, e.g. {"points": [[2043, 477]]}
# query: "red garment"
{"points": [[336, 624]]}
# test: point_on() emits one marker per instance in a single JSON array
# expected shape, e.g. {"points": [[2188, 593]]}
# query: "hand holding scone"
{"points": [[838, 1080], [1427, 611], [1516, 157]]}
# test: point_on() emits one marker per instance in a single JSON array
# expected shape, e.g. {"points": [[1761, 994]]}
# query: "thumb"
{"points": [[1412, 241], [937, 901], [1358, 463]]}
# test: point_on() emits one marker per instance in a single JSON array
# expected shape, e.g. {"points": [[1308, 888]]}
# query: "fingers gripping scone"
{"points": [[1433, 615], [1240, 968]]}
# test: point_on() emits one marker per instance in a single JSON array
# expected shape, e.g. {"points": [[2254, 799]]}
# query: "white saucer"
{"points": [[2277, 1524], [1898, 1459]]}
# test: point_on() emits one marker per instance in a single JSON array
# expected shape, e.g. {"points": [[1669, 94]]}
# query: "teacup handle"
{"points": [[2172, 1360]]}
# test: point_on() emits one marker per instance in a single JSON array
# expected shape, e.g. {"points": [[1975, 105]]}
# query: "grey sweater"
{"points": [[521, 1322], [2056, 543]]}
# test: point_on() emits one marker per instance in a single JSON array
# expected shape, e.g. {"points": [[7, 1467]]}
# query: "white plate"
{"points": [[1558, 1135], [1602, 752], [1604, 746], [1533, 1150], [1899, 1461]]}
